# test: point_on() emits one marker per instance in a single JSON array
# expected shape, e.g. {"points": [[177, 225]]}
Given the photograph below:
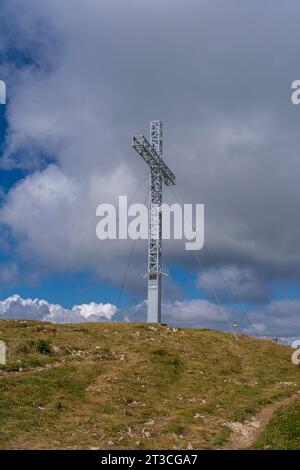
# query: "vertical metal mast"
{"points": [[154, 247], [159, 172]]}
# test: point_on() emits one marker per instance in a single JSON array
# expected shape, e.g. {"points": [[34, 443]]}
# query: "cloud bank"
{"points": [[280, 320], [83, 77], [15, 307]]}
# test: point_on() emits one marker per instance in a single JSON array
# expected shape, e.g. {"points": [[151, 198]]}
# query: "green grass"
{"points": [[283, 431], [127, 386]]}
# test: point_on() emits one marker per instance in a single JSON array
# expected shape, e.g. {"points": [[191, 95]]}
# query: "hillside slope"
{"points": [[283, 431], [120, 386]]}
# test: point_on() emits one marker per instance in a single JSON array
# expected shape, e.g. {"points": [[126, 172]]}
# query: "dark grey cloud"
{"points": [[245, 284], [217, 73], [279, 319]]}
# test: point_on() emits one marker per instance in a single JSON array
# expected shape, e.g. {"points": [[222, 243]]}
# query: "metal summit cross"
{"points": [[159, 173]]}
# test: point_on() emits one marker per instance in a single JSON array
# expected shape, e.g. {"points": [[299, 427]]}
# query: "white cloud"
{"points": [[199, 313], [196, 310], [35, 309], [94, 311], [187, 313], [53, 217]]}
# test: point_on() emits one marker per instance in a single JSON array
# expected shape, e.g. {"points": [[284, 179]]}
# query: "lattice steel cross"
{"points": [[159, 173]]}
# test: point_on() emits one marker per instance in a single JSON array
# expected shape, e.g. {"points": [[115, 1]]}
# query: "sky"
{"points": [[82, 78]]}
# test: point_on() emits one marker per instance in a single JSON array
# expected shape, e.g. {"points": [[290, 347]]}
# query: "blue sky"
{"points": [[82, 78]]}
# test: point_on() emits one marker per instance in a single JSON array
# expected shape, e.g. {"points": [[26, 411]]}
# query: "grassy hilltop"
{"points": [[131, 386]]}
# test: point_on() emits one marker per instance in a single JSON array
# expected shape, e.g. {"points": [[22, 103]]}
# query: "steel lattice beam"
{"points": [[159, 173], [149, 154]]}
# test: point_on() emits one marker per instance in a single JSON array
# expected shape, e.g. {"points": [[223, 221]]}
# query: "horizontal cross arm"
{"points": [[147, 152]]}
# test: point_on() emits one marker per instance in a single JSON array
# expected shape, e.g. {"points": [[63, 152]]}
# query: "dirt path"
{"points": [[245, 434]]}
